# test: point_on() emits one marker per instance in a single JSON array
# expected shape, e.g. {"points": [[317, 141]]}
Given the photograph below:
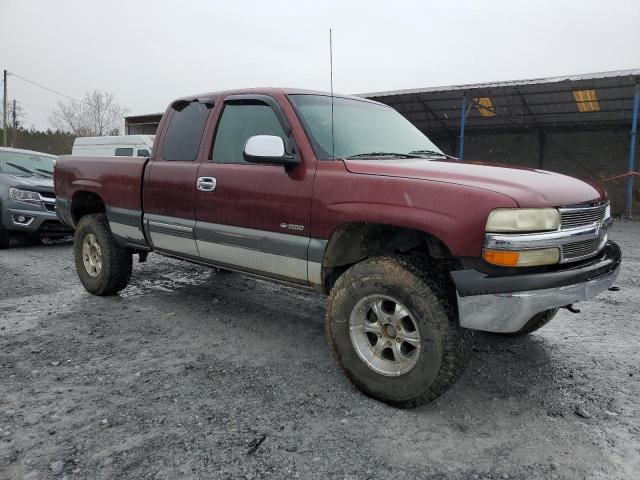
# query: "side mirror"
{"points": [[267, 149]]}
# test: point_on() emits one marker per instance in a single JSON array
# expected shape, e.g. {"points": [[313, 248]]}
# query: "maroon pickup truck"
{"points": [[414, 249]]}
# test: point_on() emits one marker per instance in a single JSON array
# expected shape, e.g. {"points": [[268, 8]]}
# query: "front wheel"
{"points": [[394, 332], [103, 266]]}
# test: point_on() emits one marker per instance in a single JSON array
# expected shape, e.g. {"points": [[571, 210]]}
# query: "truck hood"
{"points": [[36, 184], [528, 187]]}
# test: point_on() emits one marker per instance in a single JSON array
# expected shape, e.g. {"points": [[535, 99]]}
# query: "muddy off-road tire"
{"points": [[5, 239], [393, 331], [536, 322], [103, 266]]}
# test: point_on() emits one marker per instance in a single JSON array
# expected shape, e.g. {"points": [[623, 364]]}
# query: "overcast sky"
{"points": [[149, 52]]}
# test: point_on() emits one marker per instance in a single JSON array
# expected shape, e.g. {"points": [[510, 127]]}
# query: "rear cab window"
{"points": [[184, 133]]}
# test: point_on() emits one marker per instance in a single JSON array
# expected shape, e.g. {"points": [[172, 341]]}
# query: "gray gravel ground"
{"points": [[193, 373]]}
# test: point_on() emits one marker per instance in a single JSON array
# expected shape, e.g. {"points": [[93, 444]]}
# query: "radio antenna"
{"points": [[333, 143]]}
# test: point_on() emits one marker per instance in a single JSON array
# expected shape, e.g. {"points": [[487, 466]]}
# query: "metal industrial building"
{"points": [[581, 125], [142, 124]]}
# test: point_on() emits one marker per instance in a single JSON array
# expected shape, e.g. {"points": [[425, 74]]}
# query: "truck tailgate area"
{"points": [[114, 181]]}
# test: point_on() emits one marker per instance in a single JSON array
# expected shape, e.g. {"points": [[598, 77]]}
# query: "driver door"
{"points": [[253, 217]]}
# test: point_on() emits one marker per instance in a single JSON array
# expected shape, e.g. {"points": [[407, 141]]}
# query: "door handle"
{"points": [[206, 184]]}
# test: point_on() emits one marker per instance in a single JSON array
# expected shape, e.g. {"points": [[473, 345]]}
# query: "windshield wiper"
{"points": [[44, 171], [432, 153], [18, 167], [385, 154]]}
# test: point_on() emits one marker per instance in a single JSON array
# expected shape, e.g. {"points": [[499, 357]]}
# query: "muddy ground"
{"points": [[193, 373]]}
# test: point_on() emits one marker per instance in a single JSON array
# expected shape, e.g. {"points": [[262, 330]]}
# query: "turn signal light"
{"points": [[500, 257], [522, 258]]}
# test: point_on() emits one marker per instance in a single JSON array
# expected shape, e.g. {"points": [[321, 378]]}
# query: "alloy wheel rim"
{"points": [[92, 255], [385, 335]]}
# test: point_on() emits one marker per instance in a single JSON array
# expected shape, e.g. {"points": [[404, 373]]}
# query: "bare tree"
{"points": [[19, 112], [15, 115], [98, 114]]}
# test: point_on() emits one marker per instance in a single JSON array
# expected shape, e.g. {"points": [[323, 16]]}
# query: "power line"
{"points": [[46, 88], [33, 106]]}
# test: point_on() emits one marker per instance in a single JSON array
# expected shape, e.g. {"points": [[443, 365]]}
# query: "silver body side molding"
{"points": [[126, 225], [315, 273], [293, 258], [170, 234], [266, 263]]}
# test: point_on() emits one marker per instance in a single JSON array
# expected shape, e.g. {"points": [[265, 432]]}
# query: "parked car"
{"points": [[343, 195], [27, 200], [114, 145]]}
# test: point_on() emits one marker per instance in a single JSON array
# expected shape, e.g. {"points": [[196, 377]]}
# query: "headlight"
{"points": [[522, 258], [518, 220], [24, 196], [607, 211]]}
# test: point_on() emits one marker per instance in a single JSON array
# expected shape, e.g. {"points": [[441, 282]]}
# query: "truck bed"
{"points": [[116, 181]]}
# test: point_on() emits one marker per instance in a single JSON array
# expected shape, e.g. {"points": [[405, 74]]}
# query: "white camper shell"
{"points": [[113, 146]]}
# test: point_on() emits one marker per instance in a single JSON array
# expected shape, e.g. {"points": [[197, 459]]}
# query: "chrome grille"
{"points": [[583, 233], [48, 201], [47, 196], [582, 216], [585, 248]]}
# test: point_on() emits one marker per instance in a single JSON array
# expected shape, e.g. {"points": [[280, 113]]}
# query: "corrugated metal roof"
{"points": [[545, 103], [635, 73], [145, 117]]}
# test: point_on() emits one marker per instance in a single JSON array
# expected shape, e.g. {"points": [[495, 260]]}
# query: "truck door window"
{"points": [[237, 124], [182, 140], [143, 153], [124, 152]]}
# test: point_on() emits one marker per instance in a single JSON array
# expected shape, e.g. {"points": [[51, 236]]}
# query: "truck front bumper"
{"points": [[504, 304]]}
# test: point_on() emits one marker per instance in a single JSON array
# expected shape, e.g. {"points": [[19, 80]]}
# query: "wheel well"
{"points": [[354, 242], [85, 203]]}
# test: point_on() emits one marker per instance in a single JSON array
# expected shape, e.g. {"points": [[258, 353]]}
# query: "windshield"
{"points": [[360, 128], [26, 164]]}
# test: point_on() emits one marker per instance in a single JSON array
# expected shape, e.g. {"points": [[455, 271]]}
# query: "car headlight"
{"points": [[519, 220], [24, 196]]}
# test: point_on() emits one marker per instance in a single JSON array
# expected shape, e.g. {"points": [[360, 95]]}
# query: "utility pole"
{"points": [[632, 149], [4, 112], [15, 125]]}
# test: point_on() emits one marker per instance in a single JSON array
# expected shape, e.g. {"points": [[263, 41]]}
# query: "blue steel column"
{"points": [[632, 150], [462, 119]]}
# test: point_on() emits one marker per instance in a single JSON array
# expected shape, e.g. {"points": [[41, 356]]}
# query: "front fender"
{"points": [[455, 214]]}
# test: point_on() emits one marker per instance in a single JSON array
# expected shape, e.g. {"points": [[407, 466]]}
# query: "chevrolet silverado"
{"points": [[415, 249]]}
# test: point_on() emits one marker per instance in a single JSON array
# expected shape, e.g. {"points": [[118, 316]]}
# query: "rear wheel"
{"points": [[104, 267], [394, 332]]}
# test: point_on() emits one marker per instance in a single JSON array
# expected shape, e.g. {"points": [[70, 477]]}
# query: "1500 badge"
{"points": [[291, 226]]}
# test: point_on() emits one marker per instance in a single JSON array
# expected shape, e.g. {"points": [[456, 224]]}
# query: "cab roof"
{"points": [[272, 91]]}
